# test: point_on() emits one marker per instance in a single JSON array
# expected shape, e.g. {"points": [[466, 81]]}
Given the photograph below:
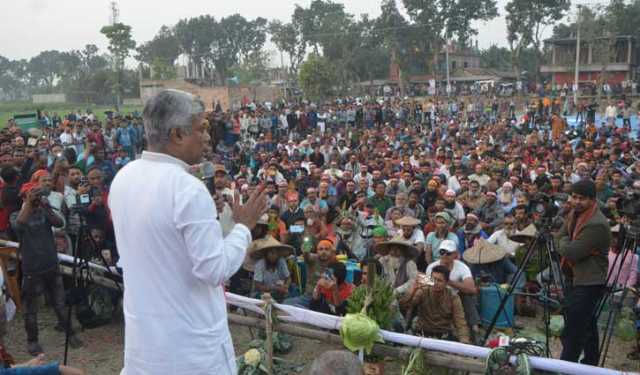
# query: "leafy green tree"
{"points": [[253, 69], [406, 42], [526, 20], [218, 45], [164, 47], [495, 57], [120, 45], [320, 23], [443, 19], [13, 78], [162, 70], [288, 38], [622, 17], [317, 77], [91, 60], [46, 69]]}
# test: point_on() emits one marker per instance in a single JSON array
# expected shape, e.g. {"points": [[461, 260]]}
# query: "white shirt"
{"points": [[66, 139], [459, 273], [417, 237], [175, 262]]}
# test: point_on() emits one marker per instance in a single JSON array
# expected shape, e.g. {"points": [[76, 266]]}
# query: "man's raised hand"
{"points": [[249, 213]]}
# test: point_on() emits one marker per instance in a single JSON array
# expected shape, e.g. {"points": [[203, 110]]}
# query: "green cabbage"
{"points": [[358, 331]]}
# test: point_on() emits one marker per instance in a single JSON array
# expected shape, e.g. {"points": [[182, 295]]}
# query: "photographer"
{"points": [[331, 292], [39, 261], [94, 156], [584, 242], [439, 311]]}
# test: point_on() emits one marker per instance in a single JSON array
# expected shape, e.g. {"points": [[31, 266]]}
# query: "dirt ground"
{"points": [[103, 347]]}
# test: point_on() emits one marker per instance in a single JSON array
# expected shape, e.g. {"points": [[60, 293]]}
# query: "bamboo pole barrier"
{"points": [[268, 308], [95, 277], [432, 358]]}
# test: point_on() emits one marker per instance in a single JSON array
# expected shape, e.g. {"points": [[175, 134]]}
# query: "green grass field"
{"points": [[8, 109]]}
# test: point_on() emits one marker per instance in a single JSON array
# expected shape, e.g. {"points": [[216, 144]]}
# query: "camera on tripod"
{"points": [[631, 210], [547, 208]]}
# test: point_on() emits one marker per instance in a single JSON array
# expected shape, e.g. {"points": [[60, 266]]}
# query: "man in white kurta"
{"points": [[175, 262], [172, 252]]}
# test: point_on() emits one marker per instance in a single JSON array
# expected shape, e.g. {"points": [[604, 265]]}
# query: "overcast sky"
{"points": [[30, 26]]}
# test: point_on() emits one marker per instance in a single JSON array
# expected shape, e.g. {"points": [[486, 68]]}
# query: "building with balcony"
{"points": [[615, 57]]}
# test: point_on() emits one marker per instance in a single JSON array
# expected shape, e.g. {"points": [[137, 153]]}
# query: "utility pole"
{"points": [[446, 58], [115, 13], [577, 74], [113, 18]]}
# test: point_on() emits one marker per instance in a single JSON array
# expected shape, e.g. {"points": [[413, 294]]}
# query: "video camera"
{"points": [[631, 210], [547, 208]]}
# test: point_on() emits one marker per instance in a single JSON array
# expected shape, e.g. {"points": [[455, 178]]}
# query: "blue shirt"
{"points": [[435, 243], [50, 369], [321, 203]]}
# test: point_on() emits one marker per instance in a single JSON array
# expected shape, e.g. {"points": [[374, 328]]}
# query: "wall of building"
{"points": [[49, 98], [611, 77], [209, 95], [227, 96]]}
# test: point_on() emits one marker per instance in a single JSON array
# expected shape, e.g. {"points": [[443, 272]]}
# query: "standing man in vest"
{"points": [[584, 244], [174, 257]]}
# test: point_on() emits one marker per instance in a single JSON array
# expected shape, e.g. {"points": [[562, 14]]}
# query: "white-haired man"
{"points": [[174, 257]]}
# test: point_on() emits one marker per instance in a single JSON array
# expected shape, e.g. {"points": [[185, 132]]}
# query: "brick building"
{"points": [[617, 58]]}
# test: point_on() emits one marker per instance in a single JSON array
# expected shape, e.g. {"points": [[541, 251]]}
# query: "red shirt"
{"points": [[344, 292], [96, 138], [4, 212]]}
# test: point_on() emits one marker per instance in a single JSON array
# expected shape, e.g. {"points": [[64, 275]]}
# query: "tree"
{"points": [[318, 22], [164, 47], [444, 19], [162, 70], [405, 42], [622, 17], [235, 39], [91, 60], [526, 20], [288, 38], [366, 57], [253, 69], [495, 57], [120, 45], [13, 78], [317, 77], [219, 45], [46, 69]]}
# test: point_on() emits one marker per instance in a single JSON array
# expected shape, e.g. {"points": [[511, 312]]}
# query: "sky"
{"points": [[31, 26]]}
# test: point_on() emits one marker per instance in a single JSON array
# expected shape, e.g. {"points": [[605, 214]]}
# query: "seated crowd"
{"points": [[440, 199]]}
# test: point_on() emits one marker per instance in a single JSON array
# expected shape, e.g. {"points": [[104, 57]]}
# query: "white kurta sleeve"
{"points": [[214, 259]]}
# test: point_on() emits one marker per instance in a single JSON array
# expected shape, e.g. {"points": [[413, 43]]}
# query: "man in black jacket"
{"points": [[584, 244], [39, 257]]}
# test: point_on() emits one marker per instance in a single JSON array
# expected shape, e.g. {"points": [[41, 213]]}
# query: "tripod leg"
{"points": [[512, 286]]}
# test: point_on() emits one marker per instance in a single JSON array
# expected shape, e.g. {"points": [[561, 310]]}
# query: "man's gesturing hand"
{"points": [[249, 213]]}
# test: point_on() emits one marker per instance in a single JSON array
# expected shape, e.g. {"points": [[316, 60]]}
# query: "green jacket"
{"points": [[588, 252], [381, 204]]}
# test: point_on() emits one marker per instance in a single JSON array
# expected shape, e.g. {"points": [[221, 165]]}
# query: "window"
{"points": [[466, 64]]}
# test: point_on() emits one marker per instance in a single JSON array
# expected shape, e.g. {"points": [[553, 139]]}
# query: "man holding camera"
{"points": [[584, 242], [39, 261]]}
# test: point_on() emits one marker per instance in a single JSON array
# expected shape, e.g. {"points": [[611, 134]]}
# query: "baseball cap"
{"points": [[448, 245]]}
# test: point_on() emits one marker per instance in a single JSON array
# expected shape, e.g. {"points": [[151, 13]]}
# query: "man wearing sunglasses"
{"points": [[460, 280]]}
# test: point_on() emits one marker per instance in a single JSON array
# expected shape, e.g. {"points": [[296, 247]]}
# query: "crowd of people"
{"points": [[441, 195]]}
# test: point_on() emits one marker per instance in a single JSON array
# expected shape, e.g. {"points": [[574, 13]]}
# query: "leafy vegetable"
{"points": [[358, 331], [379, 309]]}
